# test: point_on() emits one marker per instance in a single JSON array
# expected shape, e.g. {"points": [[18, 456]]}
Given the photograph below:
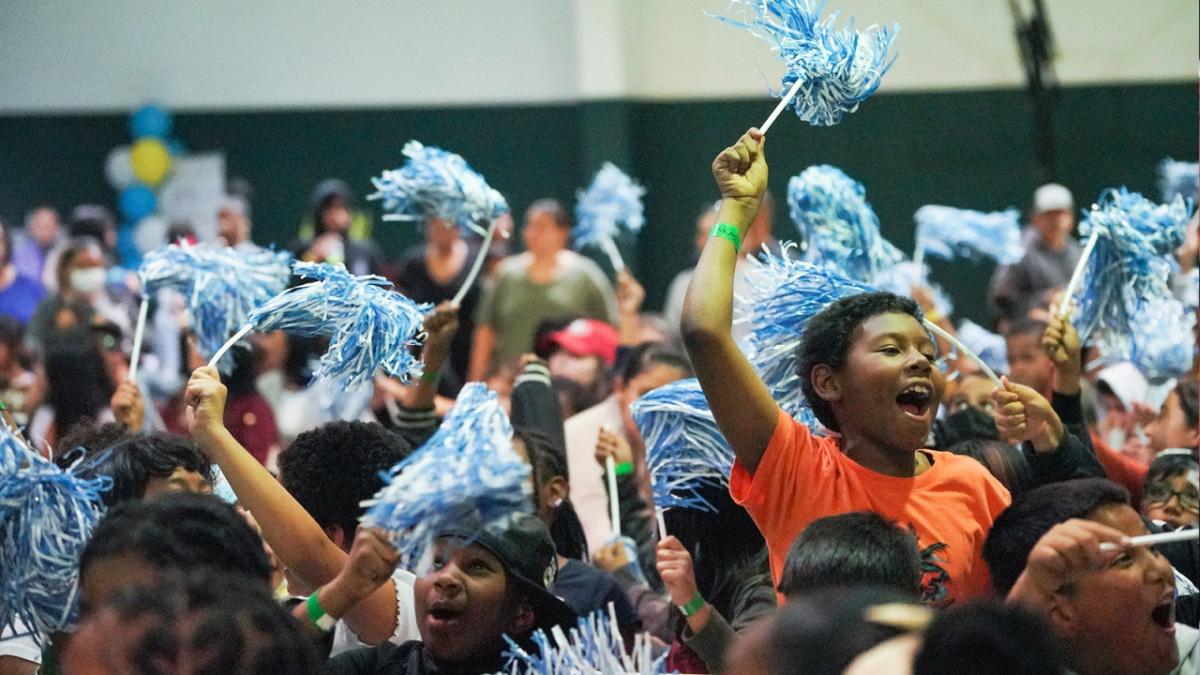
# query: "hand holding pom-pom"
{"points": [[205, 396], [741, 169]]}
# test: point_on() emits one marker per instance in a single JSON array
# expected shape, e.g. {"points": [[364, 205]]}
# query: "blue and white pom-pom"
{"points": [[685, 450], [47, 516], [989, 346], [595, 645], [467, 471], [839, 227], [835, 70], [903, 277], [613, 201], [783, 295], [369, 324], [221, 285], [1178, 179], [1129, 262], [434, 183], [947, 232], [1162, 342]]}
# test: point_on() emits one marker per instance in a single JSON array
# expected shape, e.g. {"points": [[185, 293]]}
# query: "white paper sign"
{"points": [[194, 192]]}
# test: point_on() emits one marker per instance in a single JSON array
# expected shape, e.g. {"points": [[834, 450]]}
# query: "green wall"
{"points": [[968, 149]]}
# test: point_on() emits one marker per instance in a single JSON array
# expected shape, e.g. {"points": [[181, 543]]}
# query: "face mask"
{"points": [[88, 279]]}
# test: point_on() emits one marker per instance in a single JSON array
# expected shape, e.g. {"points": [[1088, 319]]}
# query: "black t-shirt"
{"points": [[586, 590], [414, 281], [406, 659]]}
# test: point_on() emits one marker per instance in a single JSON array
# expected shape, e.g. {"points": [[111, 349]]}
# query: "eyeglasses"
{"points": [[1161, 493]]}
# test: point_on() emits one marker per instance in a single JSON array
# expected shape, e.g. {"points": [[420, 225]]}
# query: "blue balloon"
{"points": [[136, 202], [176, 147], [150, 120], [131, 257]]}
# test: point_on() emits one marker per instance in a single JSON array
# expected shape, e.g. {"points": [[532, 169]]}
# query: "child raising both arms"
{"points": [[867, 366]]}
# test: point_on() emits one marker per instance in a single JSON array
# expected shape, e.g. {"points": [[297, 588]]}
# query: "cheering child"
{"points": [[868, 370]]}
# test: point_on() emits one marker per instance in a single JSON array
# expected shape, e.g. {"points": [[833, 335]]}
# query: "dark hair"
{"points": [[552, 207], [1168, 466], [78, 385], [74, 247], [821, 632], [988, 638], [87, 440], [332, 468], [546, 463], [1026, 326], [1006, 463], [646, 355], [11, 334], [6, 239], [324, 193], [852, 548], [1032, 514], [91, 220], [241, 380], [728, 551], [829, 334], [216, 623], [1188, 391], [180, 531], [132, 461]]}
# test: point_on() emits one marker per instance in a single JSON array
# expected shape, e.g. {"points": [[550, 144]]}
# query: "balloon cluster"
{"points": [[135, 171]]}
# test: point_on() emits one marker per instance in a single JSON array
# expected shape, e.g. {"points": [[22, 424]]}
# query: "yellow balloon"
{"points": [[150, 160]]}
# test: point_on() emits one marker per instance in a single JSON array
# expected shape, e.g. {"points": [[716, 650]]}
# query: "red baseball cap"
{"points": [[587, 337]]}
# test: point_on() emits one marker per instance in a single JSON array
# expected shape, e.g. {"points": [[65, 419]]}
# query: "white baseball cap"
{"points": [[1052, 197]]}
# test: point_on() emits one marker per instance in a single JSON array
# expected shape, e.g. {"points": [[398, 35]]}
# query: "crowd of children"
{"points": [[935, 523]]}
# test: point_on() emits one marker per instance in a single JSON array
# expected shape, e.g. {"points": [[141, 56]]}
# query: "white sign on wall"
{"points": [[194, 192]]}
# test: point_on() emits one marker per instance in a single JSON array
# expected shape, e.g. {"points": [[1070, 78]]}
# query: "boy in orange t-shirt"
{"points": [[868, 370]]}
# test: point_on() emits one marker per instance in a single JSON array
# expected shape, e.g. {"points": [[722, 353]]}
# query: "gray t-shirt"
{"points": [[515, 305]]}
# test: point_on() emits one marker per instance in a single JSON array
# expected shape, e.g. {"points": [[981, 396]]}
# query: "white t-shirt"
{"points": [[14, 642], [344, 639]]}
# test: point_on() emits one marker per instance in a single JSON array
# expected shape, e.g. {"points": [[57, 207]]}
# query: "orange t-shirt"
{"points": [[950, 507]]}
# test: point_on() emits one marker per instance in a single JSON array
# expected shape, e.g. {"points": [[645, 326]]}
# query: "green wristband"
{"points": [[430, 376], [623, 469], [729, 233], [694, 605], [316, 614]]}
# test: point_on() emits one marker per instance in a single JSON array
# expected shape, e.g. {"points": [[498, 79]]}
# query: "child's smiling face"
{"points": [[889, 386], [463, 605]]}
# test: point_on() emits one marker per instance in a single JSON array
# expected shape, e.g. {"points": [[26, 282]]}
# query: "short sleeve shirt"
{"points": [[950, 507]]}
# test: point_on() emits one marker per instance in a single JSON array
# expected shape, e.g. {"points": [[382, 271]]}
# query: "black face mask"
{"points": [[965, 425]]}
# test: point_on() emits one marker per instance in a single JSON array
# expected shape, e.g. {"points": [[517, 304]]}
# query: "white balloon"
{"points": [[150, 233], [118, 167]]}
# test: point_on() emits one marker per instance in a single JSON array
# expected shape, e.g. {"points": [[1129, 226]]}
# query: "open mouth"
{"points": [[1164, 613], [444, 615], [915, 399]]}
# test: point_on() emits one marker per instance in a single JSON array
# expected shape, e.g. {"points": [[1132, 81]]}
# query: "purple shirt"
{"points": [[20, 299]]}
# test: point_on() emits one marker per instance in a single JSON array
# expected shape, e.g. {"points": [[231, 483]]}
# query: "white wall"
{"points": [[67, 55]]}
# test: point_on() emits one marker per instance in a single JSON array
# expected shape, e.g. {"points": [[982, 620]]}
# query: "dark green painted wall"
{"points": [[969, 149]]}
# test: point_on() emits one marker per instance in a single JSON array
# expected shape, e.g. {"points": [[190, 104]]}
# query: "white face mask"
{"points": [[88, 279]]}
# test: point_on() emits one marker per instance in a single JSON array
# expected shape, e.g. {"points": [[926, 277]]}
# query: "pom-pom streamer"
{"points": [[839, 227], [370, 326], [595, 645], [1178, 179], [685, 450], [467, 471], [829, 71], [434, 183], [947, 232], [220, 285], [46, 518], [612, 201]]}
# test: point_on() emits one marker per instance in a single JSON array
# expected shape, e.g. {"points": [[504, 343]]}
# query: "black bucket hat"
{"points": [[524, 547]]}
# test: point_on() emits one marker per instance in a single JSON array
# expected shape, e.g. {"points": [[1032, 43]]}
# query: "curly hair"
{"points": [[332, 468], [207, 622], [131, 461], [180, 531], [829, 334]]}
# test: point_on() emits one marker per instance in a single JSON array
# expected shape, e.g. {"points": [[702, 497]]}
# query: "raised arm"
{"points": [[295, 537], [741, 404]]}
